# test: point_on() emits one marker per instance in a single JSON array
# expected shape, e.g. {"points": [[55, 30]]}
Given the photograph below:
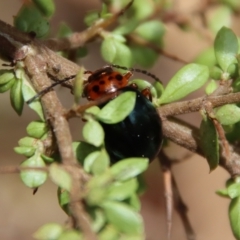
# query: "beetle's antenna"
{"points": [[137, 70], [49, 88]]}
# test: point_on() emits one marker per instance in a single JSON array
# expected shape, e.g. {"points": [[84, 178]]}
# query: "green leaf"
{"points": [[234, 190], [129, 168], [152, 31], [82, 150], [234, 215], [64, 30], [27, 142], [89, 160], [143, 56], [91, 17], [114, 51], [63, 200], [47, 159], [188, 79], [71, 235], [99, 219], [47, 7], [109, 232], [209, 142], [123, 217], [228, 114], [135, 202], [6, 76], [16, 97], [234, 4], [118, 109], [26, 151], [94, 110], [93, 133], [159, 88], [30, 19], [101, 163], [100, 181], [122, 190], [48, 231], [226, 48], [221, 16], [96, 196], [36, 129], [33, 178], [142, 9], [222, 192], [5, 87], [211, 87], [216, 73], [28, 93], [78, 86], [206, 57], [60, 176]]}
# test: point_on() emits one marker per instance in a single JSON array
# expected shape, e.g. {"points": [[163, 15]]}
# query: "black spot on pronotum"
{"points": [[95, 88], [119, 77]]}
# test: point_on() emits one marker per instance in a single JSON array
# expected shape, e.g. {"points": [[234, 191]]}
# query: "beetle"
{"points": [[140, 133]]}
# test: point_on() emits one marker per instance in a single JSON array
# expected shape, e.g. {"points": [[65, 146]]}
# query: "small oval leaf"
{"points": [[6, 75], [234, 190], [16, 96], [26, 151], [5, 87], [60, 176], [122, 190], [209, 142], [118, 109], [71, 235], [152, 31], [221, 16], [228, 114], [114, 51], [36, 129], [47, 7], [123, 217], [188, 79], [28, 93], [93, 133], [226, 48], [48, 231], [234, 215], [129, 168], [101, 163], [33, 178]]}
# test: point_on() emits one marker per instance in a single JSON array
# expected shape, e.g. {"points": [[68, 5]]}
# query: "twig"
{"points": [[36, 69], [168, 194], [79, 39], [18, 169], [177, 108], [182, 210]]}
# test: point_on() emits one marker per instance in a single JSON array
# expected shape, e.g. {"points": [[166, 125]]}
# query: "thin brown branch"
{"points": [[187, 136], [79, 39], [194, 105], [182, 211], [18, 169], [168, 194], [36, 65]]}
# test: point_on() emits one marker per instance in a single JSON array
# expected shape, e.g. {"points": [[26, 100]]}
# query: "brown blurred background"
{"points": [[21, 213]]}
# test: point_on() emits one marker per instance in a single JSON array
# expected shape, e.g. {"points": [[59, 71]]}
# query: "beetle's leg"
{"points": [[147, 93]]}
